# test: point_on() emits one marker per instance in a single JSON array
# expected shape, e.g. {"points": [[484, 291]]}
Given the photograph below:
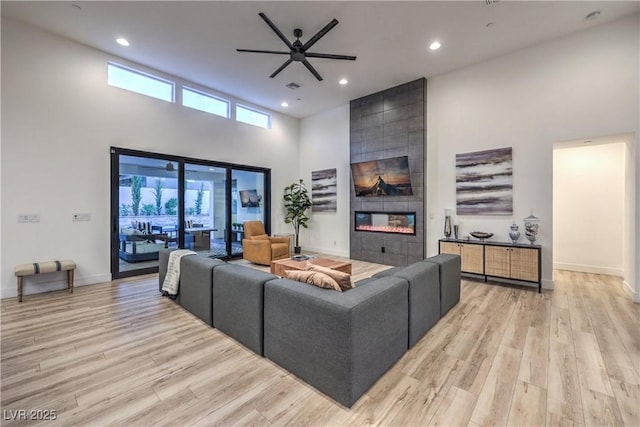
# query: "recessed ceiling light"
{"points": [[212, 169], [343, 81], [284, 104], [435, 45], [122, 41]]}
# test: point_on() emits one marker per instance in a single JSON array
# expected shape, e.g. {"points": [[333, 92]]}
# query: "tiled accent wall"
{"points": [[389, 124]]}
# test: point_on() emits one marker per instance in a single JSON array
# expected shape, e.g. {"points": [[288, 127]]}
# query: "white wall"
{"points": [[324, 144], [589, 208], [585, 84], [59, 118]]}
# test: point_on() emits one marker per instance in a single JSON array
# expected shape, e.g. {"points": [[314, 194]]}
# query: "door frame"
{"points": [[116, 152]]}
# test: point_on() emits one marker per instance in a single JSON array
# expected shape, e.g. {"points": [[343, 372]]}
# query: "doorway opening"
{"points": [[594, 205]]}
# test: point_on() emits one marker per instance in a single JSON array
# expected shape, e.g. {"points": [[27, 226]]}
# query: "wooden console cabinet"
{"points": [[472, 255], [496, 259]]}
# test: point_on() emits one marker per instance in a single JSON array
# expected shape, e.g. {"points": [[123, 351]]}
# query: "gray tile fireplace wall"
{"points": [[383, 125]]}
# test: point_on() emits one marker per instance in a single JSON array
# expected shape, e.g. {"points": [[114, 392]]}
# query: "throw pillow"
{"points": [[132, 232], [343, 279], [313, 278]]}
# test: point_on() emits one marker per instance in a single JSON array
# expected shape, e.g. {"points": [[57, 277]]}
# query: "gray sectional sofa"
{"points": [[340, 343]]}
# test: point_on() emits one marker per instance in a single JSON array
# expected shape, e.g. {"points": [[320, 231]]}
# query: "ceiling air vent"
{"points": [[292, 85], [490, 2]]}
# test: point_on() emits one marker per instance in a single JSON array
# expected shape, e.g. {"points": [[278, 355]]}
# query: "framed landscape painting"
{"points": [[484, 182], [384, 177], [324, 190]]}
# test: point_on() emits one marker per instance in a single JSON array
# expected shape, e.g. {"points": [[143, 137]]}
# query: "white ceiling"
{"points": [[197, 40]]}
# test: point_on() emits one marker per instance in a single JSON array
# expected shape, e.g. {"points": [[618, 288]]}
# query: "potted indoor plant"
{"points": [[296, 202]]}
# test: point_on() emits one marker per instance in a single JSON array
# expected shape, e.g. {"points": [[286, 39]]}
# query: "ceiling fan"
{"points": [[298, 51]]}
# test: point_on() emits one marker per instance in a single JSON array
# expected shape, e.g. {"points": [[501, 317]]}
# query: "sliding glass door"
{"points": [[162, 201], [205, 213], [145, 218], [249, 203]]}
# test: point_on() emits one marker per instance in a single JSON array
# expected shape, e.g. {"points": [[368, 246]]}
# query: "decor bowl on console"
{"points": [[482, 235]]}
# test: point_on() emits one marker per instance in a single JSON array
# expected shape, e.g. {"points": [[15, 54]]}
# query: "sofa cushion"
{"points": [[424, 296], [387, 272], [315, 278], [238, 303], [343, 279], [338, 343], [132, 232], [196, 281], [449, 266]]}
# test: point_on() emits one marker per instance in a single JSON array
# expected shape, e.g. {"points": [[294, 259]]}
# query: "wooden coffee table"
{"points": [[278, 267]]}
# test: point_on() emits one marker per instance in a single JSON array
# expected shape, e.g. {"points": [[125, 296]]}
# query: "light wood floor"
{"points": [[119, 354]]}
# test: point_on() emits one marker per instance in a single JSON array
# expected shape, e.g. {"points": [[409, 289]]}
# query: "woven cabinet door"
{"points": [[472, 258], [496, 261], [449, 248], [524, 264]]}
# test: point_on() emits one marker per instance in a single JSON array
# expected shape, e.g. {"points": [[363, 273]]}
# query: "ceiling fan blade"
{"points": [[276, 30], [320, 33], [282, 67], [264, 51], [328, 55], [313, 70]]}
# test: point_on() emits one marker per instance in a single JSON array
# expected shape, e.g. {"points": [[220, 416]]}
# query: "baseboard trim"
{"points": [[39, 284], [635, 296], [618, 272]]}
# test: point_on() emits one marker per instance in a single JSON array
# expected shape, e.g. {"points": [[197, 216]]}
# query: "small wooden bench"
{"points": [[23, 270]]}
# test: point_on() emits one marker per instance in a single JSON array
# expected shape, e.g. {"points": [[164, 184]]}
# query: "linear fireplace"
{"points": [[386, 222]]}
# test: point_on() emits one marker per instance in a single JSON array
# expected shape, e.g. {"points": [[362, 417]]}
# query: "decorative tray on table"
{"points": [[482, 235]]}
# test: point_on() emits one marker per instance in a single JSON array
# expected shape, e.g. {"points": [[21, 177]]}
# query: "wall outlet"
{"points": [[81, 217], [382, 249], [28, 218]]}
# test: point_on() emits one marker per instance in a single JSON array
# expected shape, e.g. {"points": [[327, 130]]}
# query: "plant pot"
{"points": [[297, 250]]}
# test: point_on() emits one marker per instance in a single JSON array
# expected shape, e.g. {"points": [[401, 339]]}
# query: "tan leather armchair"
{"points": [[260, 248]]}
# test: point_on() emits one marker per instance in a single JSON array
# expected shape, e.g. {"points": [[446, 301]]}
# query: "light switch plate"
{"points": [[81, 217], [28, 218]]}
